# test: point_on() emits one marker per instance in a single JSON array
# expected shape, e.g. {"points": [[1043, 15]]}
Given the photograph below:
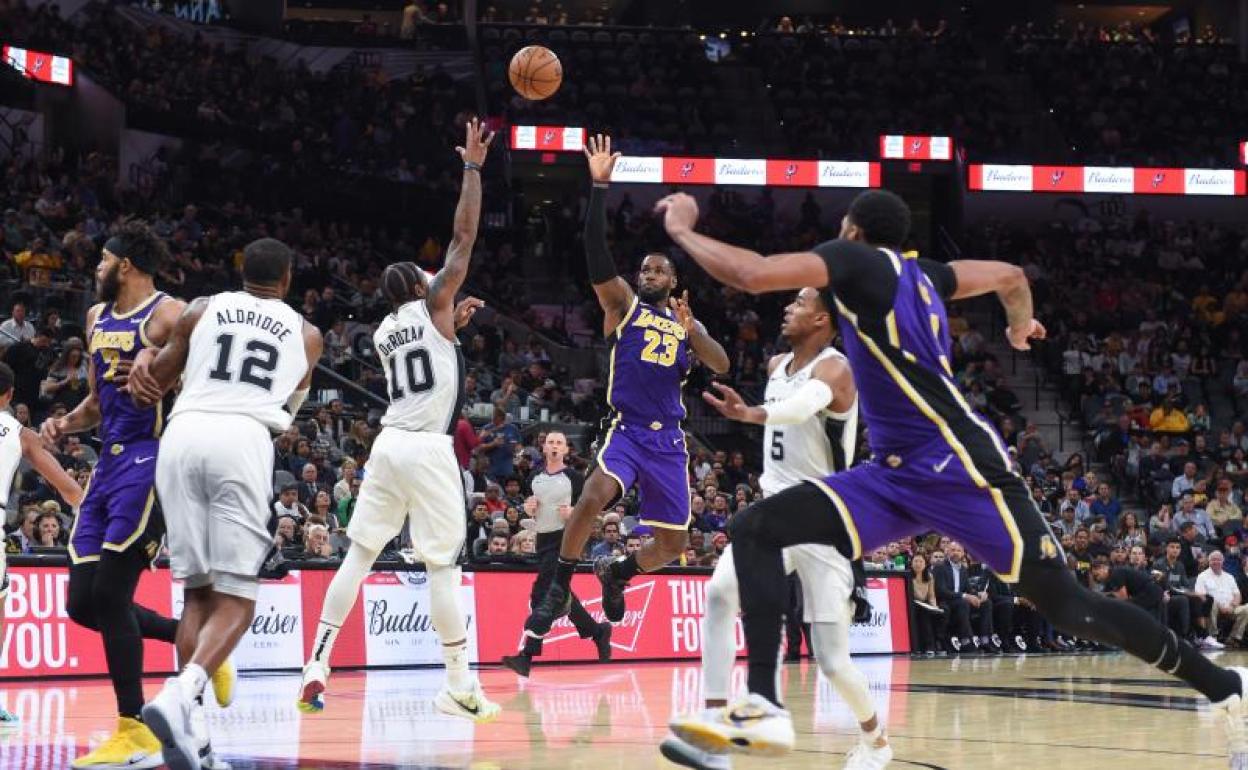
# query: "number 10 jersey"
{"points": [[246, 357], [424, 371]]}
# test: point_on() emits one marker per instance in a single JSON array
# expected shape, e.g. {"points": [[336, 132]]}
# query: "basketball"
{"points": [[535, 72]]}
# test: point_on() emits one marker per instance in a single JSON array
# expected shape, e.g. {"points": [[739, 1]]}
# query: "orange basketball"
{"points": [[535, 72]]}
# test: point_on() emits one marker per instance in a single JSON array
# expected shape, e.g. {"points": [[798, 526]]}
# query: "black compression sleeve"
{"points": [[597, 255]]}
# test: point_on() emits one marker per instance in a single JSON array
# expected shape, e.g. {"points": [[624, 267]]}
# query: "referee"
{"points": [[555, 488]]}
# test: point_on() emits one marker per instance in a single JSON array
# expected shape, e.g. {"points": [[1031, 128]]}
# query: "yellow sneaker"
{"points": [[223, 680], [132, 746]]}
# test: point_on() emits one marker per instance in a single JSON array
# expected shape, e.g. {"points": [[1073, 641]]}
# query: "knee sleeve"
{"points": [[79, 603], [831, 648], [444, 610], [719, 644]]}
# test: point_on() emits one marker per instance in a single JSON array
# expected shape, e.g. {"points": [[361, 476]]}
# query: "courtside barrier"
{"points": [[390, 626]]}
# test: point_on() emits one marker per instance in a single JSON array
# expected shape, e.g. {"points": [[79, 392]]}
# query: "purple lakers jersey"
{"points": [[118, 337], [900, 355], [649, 363]]}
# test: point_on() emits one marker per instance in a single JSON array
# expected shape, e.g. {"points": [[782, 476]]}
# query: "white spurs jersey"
{"points": [[246, 357], [10, 455], [424, 371], [817, 447]]}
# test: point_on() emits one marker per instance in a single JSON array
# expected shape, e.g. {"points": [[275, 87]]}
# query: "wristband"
{"points": [[470, 166], [602, 185]]}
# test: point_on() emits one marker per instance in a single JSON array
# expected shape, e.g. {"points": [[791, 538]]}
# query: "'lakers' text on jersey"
{"points": [[116, 338], [246, 357], [424, 371], [649, 364], [816, 447]]}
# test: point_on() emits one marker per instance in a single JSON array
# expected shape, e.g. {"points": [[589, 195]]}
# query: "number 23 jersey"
{"points": [[424, 371], [246, 357], [649, 364]]}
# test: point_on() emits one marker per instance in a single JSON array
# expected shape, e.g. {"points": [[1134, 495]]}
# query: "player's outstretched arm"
{"points": [[734, 266], [86, 415], [1009, 282], [154, 373], [614, 293], [46, 466], [447, 283], [706, 347]]}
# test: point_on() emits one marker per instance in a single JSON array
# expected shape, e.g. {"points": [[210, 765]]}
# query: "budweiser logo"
{"points": [[729, 168], [627, 631], [1207, 178], [1005, 175], [1107, 177], [382, 621], [274, 623]]}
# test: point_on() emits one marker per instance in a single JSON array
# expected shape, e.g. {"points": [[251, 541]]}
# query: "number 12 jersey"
{"points": [[246, 357], [424, 371]]}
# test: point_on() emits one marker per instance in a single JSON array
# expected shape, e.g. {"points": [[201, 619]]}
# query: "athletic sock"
{"points": [[626, 569], [323, 643], [456, 658], [193, 678], [1181, 659]]}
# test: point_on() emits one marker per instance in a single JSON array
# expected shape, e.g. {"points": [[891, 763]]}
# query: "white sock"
{"points": [[719, 648], [458, 677], [340, 598], [193, 678]]}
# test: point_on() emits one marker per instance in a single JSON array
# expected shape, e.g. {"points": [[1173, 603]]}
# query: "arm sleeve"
{"points": [[813, 396], [597, 254], [578, 483]]}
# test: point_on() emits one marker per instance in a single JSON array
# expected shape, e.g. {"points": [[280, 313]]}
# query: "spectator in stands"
{"points": [[346, 506], [316, 544], [610, 541], [1130, 533], [927, 612], [288, 504], [309, 486], [342, 490], [287, 537], [1202, 526], [498, 441], [48, 530], [17, 328], [465, 438], [22, 540], [1105, 506], [1185, 483], [1161, 524], [1169, 418], [1131, 584], [1227, 604], [1075, 502], [1222, 510], [958, 598]]}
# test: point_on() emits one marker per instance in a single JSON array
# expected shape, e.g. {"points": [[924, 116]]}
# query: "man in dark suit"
{"points": [[309, 486], [959, 598]]}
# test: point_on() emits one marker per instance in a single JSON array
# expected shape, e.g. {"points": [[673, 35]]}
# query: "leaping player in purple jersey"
{"points": [[938, 465], [652, 334], [119, 526]]}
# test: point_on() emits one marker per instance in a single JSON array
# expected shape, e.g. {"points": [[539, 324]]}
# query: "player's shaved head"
{"points": [[878, 217], [266, 262]]}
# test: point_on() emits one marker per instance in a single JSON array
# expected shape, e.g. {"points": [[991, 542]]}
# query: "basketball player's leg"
{"points": [[663, 498], [828, 582], [718, 654], [6, 717], [437, 530], [378, 518]]}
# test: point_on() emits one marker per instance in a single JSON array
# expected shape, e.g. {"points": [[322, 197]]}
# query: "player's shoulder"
{"points": [[777, 361], [95, 311]]}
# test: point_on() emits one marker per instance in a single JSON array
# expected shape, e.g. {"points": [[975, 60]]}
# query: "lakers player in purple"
{"points": [[652, 337], [937, 465], [118, 529]]}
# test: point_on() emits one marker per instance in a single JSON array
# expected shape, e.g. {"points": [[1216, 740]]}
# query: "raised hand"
{"points": [[477, 140], [601, 159], [731, 405], [680, 306]]}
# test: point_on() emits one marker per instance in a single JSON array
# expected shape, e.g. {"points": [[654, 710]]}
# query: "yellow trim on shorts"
{"points": [[848, 519], [614, 347], [74, 558], [664, 524], [602, 465], [951, 439], [138, 530]]}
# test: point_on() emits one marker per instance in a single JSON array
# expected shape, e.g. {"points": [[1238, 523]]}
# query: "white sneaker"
{"points": [[199, 729], [864, 756], [315, 675], [752, 726], [1209, 643], [676, 750], [1232, 712], [168, 715], [470, 704]]}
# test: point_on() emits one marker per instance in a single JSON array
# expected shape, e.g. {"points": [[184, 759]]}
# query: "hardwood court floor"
{"points": [[1059, 712]]}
